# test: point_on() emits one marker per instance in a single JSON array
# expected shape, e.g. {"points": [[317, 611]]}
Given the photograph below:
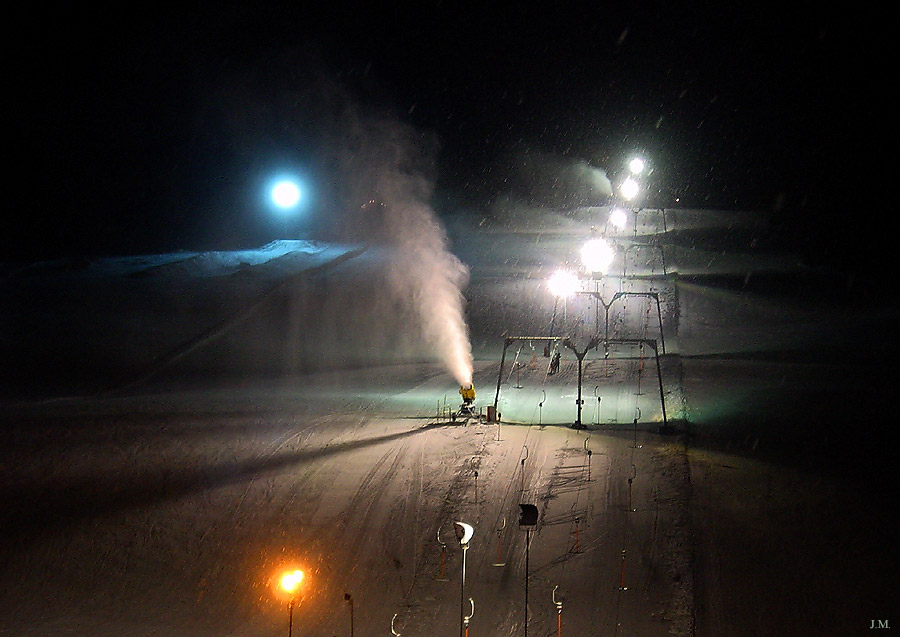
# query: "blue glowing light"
{"points": [[285, 194]]}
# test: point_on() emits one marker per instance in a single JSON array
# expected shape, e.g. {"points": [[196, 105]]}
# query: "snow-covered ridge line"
{"points": [[191, 264]]}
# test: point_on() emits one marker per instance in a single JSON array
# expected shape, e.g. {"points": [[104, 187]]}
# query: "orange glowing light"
{"points": [[290, 581]]}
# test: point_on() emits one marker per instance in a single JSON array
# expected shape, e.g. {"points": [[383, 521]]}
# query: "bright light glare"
{"points": [[629, 189], [563, 283], [285, 194], [597, 255], [290, 581], [636, 166], [618, 218]]}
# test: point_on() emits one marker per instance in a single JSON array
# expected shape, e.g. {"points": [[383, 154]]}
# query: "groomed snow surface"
{"points": [[179, 430]]}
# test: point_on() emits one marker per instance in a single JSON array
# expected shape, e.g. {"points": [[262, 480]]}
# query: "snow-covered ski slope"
{"points": [[178, 429]]}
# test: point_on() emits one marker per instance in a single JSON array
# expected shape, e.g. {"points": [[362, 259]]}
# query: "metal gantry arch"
{"points": [[595, 342], [619, 295]]}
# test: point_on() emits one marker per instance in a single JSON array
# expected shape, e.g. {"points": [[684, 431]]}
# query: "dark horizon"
{"points": [[156, 132]]}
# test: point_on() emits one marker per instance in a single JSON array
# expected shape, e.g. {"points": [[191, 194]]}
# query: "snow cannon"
{"points": [[468, 398]]}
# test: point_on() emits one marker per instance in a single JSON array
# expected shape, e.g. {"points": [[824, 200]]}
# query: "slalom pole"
{"points": [[442, 576], [576, 535], [634, 444], [499, 561], [522, 488], [630, 480], [640, 369], [559, 606], [629, 495]]}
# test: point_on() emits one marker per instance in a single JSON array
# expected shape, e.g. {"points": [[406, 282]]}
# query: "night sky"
{"points": [[136, 130]]}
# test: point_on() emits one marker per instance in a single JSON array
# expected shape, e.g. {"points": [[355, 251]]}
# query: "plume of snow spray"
{"points": [[374, 181], [388, 169]]}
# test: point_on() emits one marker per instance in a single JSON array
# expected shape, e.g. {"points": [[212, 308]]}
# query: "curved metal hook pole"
{"points": [[472, 614], [393, 631]]}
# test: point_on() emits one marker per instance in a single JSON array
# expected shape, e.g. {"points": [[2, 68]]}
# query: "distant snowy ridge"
{"points": [[191, 264], [242, 312]]}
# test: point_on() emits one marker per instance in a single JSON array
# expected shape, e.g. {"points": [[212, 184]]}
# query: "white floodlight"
{"points": [[618, 218], [629, 189], [563, 283], [636, 166], [285, 194], [597, 255]]}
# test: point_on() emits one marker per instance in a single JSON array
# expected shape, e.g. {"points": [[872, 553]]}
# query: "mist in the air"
{"points": [[402, 299], [387, 172]]}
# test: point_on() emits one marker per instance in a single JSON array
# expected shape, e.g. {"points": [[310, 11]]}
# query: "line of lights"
{"points": [[597, 254], [630, 188]]}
